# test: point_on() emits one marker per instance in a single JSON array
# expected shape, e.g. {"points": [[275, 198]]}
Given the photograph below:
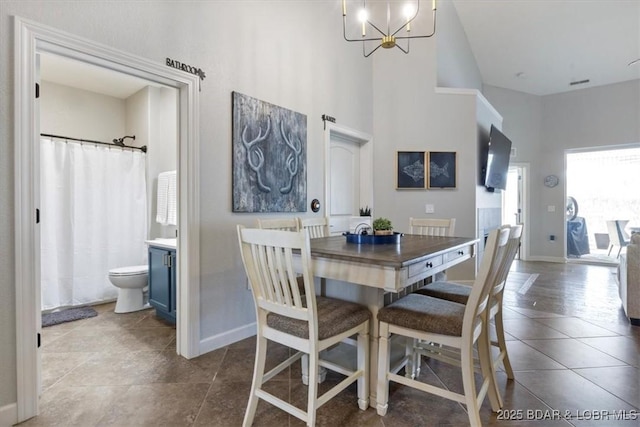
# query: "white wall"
{"points": [[542, 128], [79, 113], [152, 117], [288, 53]]}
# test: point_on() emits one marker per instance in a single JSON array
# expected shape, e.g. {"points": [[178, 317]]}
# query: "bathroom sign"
{"points": [[186, 67]]}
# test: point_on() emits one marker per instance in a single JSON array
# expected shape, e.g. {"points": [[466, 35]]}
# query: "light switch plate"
{"points": [[551, 208], [429, 208]]}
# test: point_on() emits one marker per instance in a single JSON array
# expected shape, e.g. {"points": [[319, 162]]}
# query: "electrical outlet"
{"points": [[429, 208], [552, 237]]}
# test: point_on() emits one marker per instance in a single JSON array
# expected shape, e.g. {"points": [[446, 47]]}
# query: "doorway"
{"points": [[515, 203], [33, 39], [600, 185], [348, 175]]}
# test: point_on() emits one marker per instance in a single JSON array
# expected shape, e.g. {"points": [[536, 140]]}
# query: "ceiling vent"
{"points": [[579, 82]]}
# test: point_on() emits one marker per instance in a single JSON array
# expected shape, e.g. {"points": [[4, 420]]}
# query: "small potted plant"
{"points": [[382, 226], [366, 211]]}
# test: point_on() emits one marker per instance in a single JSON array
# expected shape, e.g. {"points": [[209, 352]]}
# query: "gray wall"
{"points": [[456, 64], [542, 128]]}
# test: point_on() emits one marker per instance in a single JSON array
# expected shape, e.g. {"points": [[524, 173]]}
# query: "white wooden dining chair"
{"points": [[306, 323], [432, 226], [460, 293], [317, 227], [447, 324], [287, 224]]}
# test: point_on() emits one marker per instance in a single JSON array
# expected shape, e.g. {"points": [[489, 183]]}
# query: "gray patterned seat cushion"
{"points": [[423, 313], [447, 290], [334, 317]]}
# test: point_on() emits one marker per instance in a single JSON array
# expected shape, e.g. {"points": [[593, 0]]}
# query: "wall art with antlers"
{"points": [[269, 157]]}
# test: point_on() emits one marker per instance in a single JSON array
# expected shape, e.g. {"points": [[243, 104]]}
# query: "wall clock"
{"points": [[551, 181]]}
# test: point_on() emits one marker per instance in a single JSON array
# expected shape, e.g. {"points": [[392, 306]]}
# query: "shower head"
{"points": [[120, 141]]}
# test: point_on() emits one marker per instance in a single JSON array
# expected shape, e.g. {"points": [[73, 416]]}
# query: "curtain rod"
{"points": [[143, 148]]}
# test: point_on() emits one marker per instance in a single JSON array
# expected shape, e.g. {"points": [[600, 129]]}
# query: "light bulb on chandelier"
{"points": [[386, 39]]}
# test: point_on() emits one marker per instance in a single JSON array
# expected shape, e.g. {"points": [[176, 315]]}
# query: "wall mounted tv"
{"points": [[497, 165]]}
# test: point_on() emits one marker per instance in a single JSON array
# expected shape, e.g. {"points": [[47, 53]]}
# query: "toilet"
{"points": [[130, 282]]}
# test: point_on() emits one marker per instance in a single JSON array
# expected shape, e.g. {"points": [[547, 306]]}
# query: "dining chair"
{"points": [[617, 235], [305, 323], [287, 224], [432, 226], [460, 292], [447, 324], [317, 227]]}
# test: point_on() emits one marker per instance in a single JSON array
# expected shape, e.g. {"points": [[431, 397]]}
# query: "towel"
{"points": [[164, 180], [172, 200]]}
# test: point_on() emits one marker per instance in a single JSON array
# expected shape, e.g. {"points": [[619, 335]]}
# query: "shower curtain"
{"points": [[93, 219]]}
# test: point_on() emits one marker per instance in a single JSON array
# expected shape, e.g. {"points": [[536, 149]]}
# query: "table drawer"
{"points": [[423, 267], [458, 253]]}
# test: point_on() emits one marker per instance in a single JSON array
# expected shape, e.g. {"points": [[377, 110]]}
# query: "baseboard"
{"points": [[547, 259], [8, 415], [221, 340]]}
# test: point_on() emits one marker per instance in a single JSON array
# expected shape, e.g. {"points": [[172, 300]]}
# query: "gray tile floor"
{"points": [[573, 351]]}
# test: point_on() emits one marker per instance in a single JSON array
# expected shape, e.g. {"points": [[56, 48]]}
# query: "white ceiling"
{"points": [[540, 46], [533, 46], [73, 73]]}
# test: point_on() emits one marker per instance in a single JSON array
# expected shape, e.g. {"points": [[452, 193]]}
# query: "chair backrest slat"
{"points": [[432, 226], [494, 253], [286, 224], [317, 227], [515, 235], [268, 257]]}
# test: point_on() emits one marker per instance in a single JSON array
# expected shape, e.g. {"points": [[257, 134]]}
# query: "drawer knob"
{"points": [[429, 264], [461, 252]]}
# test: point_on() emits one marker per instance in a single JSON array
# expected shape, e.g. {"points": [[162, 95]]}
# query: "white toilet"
{"points": [[130, 282]]}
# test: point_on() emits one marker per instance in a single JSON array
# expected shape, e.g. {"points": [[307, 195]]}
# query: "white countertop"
{"points": [[162, 243]]}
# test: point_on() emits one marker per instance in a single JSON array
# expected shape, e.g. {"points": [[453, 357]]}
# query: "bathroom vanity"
{"points": [[162, 277]]}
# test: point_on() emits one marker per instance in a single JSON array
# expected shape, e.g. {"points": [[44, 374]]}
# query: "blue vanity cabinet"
{"points": [[162, 282]]}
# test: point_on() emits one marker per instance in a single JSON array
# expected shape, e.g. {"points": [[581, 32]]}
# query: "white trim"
{"points": [[366, 162], [474, 92], [8, 415], [229, 337], [31, 38]]}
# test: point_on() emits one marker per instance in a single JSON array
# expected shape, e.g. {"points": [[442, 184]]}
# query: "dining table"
{"points": [[376, 274]]}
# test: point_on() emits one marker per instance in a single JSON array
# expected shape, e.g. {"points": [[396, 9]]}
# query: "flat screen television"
{"points": [[497, 166]]}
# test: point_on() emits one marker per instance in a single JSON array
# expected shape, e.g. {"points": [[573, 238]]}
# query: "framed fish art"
{"points": [[441, 169], [410, 170]]}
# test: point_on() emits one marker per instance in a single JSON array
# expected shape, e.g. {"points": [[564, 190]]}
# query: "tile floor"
{"points": [[569, 343]]}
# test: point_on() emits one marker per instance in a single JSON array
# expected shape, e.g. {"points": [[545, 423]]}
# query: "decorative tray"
{"points": [[373, 239]]}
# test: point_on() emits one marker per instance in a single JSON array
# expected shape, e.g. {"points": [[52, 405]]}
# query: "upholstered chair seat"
{"points": [[334, 317]]}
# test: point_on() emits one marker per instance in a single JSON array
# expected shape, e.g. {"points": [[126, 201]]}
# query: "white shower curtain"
{"points": [[93, 219]]}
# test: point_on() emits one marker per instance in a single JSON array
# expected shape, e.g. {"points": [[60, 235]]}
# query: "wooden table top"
{"points": [[411, 249]]}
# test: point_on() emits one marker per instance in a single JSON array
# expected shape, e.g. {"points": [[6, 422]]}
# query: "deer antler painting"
{"points": [[269, 157]]}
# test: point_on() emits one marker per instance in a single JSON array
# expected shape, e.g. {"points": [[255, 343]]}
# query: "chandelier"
{"points": [[387, 39]]}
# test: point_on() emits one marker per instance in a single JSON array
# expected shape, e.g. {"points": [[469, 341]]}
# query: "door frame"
{"points": [[365, 141], [32, 38], [524, 206]]}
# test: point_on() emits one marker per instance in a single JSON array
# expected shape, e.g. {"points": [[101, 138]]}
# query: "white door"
{"points": [[348, 175], [344, 183]]}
